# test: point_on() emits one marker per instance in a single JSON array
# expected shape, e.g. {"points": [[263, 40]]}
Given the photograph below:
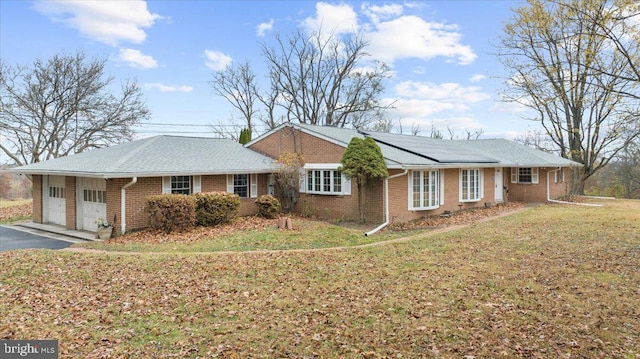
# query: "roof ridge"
{"points": [[146, 143]]}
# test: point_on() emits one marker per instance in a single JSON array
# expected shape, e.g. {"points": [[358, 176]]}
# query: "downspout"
{"points": [[123, 202], [565, 202], [386, 203]]}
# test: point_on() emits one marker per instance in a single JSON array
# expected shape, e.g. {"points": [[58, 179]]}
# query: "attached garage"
{"points": [[54, 203], [92, 202]]}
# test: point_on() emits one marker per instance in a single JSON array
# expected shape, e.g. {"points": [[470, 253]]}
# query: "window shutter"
{"points": [[166, 185], [197, 184], [441, 179], [514, 174], [534, 175], [230, 183], [254, 185], [481, 183], [346, 188], [303, 181]]}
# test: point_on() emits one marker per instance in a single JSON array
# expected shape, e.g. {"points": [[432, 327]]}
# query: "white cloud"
{"points": [[136, 59], [110, 22], [168, 88], [411, 36], [422, 109], [339, 19], [217, 60], [508, 107], [377, 13], [263, 27], [448, 91], [478, 78]]}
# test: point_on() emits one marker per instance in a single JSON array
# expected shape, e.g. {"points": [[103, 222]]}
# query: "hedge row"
{"points": [[170, 212]]}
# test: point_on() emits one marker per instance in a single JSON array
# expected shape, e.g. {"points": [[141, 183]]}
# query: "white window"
{"points": [[241, 185], [324, 181], [244, 185], [470, 185], [524, 175], [424, 190], [181, 184]]}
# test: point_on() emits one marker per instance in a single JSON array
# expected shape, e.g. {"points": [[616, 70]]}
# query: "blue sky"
{"points": [[440, 53]]}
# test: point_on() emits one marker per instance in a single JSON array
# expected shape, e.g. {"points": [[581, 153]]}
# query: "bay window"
{"points": [[424, 190]]}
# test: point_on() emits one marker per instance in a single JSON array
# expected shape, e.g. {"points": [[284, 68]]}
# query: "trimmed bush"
{"points": [[268, 206], [171, 212], [213, 208]]}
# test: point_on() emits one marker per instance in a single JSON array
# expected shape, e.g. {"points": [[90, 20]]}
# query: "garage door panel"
{"points": [[94, 202], [56, 203]]}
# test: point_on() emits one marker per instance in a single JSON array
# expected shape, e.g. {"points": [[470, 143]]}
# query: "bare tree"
{"points": [[320, 79], [573, 78], [537, 139], [627, 169], [238, 86], [62, 106]]}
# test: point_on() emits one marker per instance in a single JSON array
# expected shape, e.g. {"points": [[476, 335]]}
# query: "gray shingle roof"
{"points": [[157, 156], [418, 151]]}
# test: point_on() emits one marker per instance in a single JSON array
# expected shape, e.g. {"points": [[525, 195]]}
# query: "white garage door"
{"points": [[93, 202], [56, 203]]}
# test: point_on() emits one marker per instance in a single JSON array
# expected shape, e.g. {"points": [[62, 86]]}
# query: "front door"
{"points": [[498, 186]]}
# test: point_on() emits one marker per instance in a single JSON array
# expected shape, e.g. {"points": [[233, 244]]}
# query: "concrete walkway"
{"points": [[54, 231]]}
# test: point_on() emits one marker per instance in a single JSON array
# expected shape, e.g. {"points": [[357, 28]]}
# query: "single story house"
{"points": [[426, 176]]}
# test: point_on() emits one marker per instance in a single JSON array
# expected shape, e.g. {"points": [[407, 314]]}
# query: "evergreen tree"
{"points": [[362, 161], [245, 136]]}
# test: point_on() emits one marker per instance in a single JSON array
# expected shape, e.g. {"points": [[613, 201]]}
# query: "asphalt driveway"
{"points": [[11, 239]]}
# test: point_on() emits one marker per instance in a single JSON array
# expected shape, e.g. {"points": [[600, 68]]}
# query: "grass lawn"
{"points": [[550, 281]]}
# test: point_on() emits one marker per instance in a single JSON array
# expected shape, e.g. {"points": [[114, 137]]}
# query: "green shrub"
{"points": [[215, 208], [268, 206], [170, 212]]}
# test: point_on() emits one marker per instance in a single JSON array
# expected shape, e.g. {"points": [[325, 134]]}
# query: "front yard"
{"points": [[549, 281]]}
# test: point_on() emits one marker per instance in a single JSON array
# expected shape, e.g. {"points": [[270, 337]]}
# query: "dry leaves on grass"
{"points": [[22, 210], [458, 218], [240, 224]]}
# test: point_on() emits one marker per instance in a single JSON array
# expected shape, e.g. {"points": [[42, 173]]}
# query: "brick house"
{"points": [[426, 176]]}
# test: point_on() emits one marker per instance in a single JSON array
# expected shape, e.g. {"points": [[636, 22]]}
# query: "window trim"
{"points": [[252, 184], [322, 169], [516, 175], [437, 196], [195, 185], [479, 182]]}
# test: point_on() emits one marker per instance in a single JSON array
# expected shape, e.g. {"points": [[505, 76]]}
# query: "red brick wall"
{"points": [[312, 149], [317, 150], [399, 195], [536, 193], [37, 198], [136, 195], [70, 202]]}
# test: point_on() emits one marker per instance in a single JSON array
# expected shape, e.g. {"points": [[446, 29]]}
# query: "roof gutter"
{"points": [[123, 202], [386, 203], [565, 202]]}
